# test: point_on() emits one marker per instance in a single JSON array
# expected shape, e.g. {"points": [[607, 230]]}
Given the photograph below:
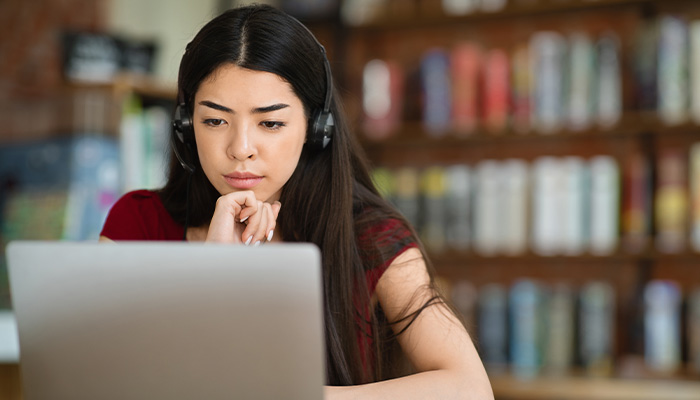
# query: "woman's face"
{"points": [[250, 128]]}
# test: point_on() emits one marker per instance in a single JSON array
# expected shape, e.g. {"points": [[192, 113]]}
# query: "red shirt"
{"points": [[140, 215]]}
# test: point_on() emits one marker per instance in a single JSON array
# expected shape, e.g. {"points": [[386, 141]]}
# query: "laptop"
{"points": [[168, 320]]}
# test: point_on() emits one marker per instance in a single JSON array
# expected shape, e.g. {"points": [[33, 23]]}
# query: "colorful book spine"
{"points": [[382, 94], [673, 73], [436, 86], [637, 203], [693, 332], [694, 33], [662, 334], [516, 184], [582, 67], [527, 328], [493, 5], [671, 202], [574, 222], [434, 218], [460, 7], [492, 328], [597, 328], [459, 205], [496, 90], [547, 63], [466, 81], [407, 195], [546, 210], [695, 196], [645, 66], [559, 349], [385, 182], [609, 78], [487, 210], [521, 89], [464, 297], [605, 205]]}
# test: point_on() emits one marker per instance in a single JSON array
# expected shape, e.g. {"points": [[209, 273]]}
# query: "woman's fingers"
{"points": [[230, 209], [240, 218], [257, 222]]}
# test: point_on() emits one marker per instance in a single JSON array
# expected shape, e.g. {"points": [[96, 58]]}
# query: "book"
{"points": [[693, 330], [547, 212], [382, 94], [604, 205], [464, 296], [694, 49], [487, 208], [645, 63], [547, 59], [694, 177], [609, 78], [559, 349], [433, 209], [459, 193], [492, 327], [637, 195], [673, 70], [465, 73], [522, 76], [596, 327], [515, 175], [436, 87], [671, 202], [582, 76], [575, 214], [662, 334], [496, 90], [527, 328], [460, 7], [407, 195]]}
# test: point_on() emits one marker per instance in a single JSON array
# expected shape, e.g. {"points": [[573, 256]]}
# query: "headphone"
{"points": [[320, 128]]}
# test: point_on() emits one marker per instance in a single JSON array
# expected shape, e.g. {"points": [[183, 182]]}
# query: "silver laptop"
{"points": [[156, 320]]}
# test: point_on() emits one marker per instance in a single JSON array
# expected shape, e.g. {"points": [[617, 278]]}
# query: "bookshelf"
{"points": [[402, 34]]}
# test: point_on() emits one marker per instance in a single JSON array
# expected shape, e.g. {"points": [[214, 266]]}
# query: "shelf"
{"points": [[438, 18], [564, 388], [128, 83], [413, 134]]}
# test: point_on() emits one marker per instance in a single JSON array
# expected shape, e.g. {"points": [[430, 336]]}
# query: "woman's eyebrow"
{"points": [[267, 109], [215, 106]]}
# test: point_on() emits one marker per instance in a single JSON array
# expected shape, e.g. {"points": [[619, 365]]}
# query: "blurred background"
{"points": [[547, 151]]}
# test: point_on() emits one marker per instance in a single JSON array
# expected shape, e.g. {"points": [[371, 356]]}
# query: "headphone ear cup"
{"points": [[322, 127], [183, 125]]}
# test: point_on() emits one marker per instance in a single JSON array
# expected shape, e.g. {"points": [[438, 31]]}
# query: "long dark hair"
{"points": [[329, 200]]}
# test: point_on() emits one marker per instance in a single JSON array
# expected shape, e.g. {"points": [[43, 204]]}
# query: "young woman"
{"points": [[262, 153]]}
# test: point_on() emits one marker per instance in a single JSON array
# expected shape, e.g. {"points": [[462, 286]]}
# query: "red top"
{"points": [[140, 215]]}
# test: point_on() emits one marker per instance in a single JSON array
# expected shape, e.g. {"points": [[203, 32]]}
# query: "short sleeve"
{"points": [[389, 234], [140, 215]]}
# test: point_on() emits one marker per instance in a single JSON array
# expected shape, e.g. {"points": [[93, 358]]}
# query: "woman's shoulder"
{"points": [[140, 215]]}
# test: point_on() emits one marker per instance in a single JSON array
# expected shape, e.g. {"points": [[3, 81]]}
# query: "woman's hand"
{"points": [[241, 218]]}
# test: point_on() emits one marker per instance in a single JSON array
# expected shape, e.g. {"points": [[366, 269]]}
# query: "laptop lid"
{"points": [[157, 320]]}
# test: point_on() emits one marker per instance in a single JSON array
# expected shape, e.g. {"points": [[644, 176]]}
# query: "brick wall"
{"points": [[32, 98]]}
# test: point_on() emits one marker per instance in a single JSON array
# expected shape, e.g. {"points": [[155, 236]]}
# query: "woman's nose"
{"points": [[241, 146]]}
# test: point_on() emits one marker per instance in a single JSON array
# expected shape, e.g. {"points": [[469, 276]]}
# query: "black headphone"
{"points": [[320, 128]]}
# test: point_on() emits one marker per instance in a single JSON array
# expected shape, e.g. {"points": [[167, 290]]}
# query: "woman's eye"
{"points": [[214, 122], [272, 125]]}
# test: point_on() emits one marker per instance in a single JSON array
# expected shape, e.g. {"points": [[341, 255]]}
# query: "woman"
{"points": [[263, 154]]}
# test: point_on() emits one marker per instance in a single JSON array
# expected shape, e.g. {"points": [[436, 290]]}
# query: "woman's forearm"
{"points": [[439, 385]]}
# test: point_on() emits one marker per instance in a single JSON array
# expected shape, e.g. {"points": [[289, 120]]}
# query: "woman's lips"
{"points": [[242, 181]]}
